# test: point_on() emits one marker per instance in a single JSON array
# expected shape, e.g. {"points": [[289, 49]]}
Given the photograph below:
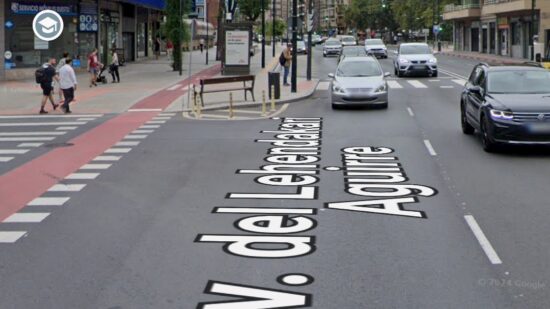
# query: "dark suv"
{"points": [[507, 104]]}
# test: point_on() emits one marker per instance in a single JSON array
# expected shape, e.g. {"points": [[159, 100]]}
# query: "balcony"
{"points": [[505, 6], [468, 9]]}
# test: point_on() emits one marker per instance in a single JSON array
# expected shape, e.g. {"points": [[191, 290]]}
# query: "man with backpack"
{"points": [[45, 76], [285, 59]]}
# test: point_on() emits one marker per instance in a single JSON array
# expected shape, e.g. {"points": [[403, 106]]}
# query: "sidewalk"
{"points": [[491, 59], [143, 79], [220, 100]]}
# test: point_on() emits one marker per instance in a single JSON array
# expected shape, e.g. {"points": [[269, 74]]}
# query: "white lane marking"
{"points": [[219, 116], [153, 126], [176, 86], [136, 136], [145, 110], [416, 84], [82, 176], [26, 217], [30, 144], [118, 150], [323, 85], [245, 112], [394, 84], [65, 128], [6, 159], [107, 158], [162, 118], [410, 111], [32, 133], [430, 147], [11, 237], [36, 124], [461, 82], [26, 139], [93, 166], [85, 119], [13, 151], [167, 114], [434, 80], [156, 121], [127, 143], [66, 188], [446, 87], [48, 201], [50, 116], [142, 131], [483, 241]]}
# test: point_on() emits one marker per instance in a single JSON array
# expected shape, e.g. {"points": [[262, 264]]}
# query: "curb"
{"points": [[277, 102], [483, 59]]}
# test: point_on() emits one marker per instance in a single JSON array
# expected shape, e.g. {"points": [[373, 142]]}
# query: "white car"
{"points": [[376, 47], [348, 40], [414, 58]]}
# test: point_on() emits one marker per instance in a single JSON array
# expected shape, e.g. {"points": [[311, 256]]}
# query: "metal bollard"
{"points": [[264, 104], [231, 105], [194, 105], [272, 98], [198, 108]]}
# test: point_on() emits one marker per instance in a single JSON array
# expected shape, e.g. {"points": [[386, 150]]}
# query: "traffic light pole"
{"points": [[293, 79], [263, 32], [309, 32], [274, 12]]}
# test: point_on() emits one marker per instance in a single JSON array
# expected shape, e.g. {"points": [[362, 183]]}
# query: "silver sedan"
{"points": [[359, 81]]}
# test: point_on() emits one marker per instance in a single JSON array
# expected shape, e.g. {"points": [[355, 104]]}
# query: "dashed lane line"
{"points": [[152, 126], [34, 145], [26, 139], [136, 136], [11, 236], [36, 124], [430, 148], [6, 159], [107, 158], [482, 239], [66, 187], [118, 150], [410, 111], [26, 217], [145, 110], [94, 166], [13, 151], [127, 143], [93, 116], [65, 128], [48, 201], [32, 133], [140, 131], [82, 176], [461, 82], [446, 87]]}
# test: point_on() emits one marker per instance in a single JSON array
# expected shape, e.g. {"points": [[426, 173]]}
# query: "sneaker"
{"points": [[43, 112], [55, 106], [68, 111]]}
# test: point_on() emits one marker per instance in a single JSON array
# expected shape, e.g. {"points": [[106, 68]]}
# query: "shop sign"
{"points": [[502, 23], [9, 24], [236, 47], [8, 55], [32, 8], [88, 20]]}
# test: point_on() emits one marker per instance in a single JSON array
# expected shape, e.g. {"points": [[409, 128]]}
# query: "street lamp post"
{"points": [[532, 39], [293, 79], [206, 22], [273, 13], [180, 30]]}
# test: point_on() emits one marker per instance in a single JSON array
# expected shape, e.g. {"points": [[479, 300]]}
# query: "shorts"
{"points": [[46, 89], [93, 71]]}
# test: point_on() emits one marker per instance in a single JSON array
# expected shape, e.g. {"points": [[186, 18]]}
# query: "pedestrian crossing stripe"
{"points": [[394, 84], [323, 85], [416, 84]]}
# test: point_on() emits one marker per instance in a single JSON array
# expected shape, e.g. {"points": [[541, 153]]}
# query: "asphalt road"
{"points": [[185, 220]]}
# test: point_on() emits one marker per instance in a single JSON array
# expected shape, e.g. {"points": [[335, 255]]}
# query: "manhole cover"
{"points": [[58, 145]]}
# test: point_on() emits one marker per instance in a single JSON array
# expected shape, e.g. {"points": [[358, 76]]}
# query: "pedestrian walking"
{"points": [[169, 48], [157, 48], [60, 64], [201, 44], [113, 68], [93, 67], [285, 60], [67, 82], [45, 76]]}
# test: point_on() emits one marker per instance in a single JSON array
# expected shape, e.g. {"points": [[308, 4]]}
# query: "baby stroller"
{"points": [[100, 77]]}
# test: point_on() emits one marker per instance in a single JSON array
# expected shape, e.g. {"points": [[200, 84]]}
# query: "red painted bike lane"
{"points": [[30, 180]]}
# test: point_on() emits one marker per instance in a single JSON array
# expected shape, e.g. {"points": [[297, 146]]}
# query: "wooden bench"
{"points": [[224, 80]]}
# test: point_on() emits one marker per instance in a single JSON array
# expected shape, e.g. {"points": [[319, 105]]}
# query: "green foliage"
{"points": [[251, 9], [280, 27], [175, 29]]}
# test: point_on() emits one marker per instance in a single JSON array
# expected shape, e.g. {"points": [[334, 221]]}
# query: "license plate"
{"points": [[539, 128], [419, 67]]}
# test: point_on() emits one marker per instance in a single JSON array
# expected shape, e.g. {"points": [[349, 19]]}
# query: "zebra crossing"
{"points": [[20, 134], [411, 84], [16, 226]]}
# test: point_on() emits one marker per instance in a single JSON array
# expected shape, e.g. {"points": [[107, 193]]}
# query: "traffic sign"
{"points": [[436, 29]]}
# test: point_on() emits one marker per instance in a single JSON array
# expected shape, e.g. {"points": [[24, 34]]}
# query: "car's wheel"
{"points": [[384, 106], [489, 145], [394, 71], [324, 55], [399, 74], [466, 127], [434, 74]]}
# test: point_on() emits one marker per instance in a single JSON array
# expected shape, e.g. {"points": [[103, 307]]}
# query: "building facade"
{"points": [[129, 26], [499, 27]]}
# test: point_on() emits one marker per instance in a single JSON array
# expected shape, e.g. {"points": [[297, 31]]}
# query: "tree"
{"points": [[280, 27], [176, 30], [251, 9]]}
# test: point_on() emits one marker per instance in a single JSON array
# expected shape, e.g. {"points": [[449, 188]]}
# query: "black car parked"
{"points": [[507, 104]]}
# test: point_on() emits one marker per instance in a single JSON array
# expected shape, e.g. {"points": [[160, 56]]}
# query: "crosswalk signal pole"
{"points": [[309, 35], [293, 78]]}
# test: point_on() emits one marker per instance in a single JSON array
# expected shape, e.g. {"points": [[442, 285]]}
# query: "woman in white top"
{"points": [[67, 83], [114, 67]]}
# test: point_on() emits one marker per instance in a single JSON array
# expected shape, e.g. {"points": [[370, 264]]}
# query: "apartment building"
{"points": [[499, 27]]}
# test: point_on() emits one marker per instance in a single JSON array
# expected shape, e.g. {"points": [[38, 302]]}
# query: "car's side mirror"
{"points": [[331, 75], [475, 89], [387, 74]]}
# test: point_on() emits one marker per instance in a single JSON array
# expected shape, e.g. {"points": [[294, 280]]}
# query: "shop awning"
{"points": [[154, 4]]}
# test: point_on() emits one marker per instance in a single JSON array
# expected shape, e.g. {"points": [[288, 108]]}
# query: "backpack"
{"points": [[40, 75], [282, 59]]}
